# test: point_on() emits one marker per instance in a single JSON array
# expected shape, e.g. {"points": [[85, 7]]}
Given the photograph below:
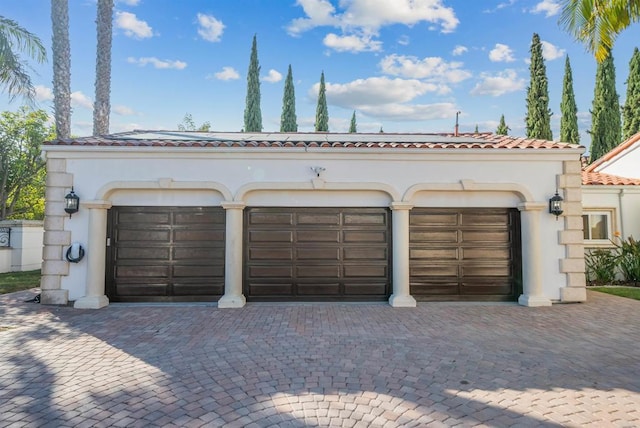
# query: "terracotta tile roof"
{"points": [[307, 140], [600, 179], [614, 152]]}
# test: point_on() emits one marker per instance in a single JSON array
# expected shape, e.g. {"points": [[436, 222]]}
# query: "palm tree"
{"points": [[13, 71], [597, 23], [102, 106], [61, 67]]}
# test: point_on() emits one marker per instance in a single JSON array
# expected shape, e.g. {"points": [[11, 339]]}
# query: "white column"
{"points": [[95, 297], [401, 297], [233, 297], [532, 292]]}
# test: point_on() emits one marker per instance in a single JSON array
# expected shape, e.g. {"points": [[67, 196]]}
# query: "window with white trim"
{"points": [[597, 226]]}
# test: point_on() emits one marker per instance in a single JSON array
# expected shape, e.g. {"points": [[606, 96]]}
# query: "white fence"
{"points": [[20, 245]]}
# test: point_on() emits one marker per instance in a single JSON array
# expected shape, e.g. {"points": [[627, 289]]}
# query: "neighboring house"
{"points": [[231, 217], [611, 196]]}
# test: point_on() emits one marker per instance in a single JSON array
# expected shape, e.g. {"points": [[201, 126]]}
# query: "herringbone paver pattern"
{"points": [[358, 365]]}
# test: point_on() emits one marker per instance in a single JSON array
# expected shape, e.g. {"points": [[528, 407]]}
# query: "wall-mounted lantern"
{"points": [[555, 205], [71, 203]]}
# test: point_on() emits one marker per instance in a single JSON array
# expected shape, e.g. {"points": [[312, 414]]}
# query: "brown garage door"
{"points": [[306, 254], [465, 254], [165, 254]]}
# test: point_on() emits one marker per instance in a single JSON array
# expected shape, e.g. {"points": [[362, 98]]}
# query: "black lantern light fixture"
{"points": [[555, 205], [71, 202]]}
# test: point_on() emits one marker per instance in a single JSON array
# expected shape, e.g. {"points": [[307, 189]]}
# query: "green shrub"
{"points": [[629, 260], [601, 266]]}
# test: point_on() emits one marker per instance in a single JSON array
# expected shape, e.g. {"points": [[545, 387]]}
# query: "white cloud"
{"points": [[411, 112], [123, 110], [132, 26], [272, 77], [433, 68], [548, 7], [352, 43], [227, 73], [551, 52], [459, 50], [129, 2], [368, 16], [501, 53], [157, 63], [43, 93], [373, 91], [499, 84], [210, 28], [404, 40], [78, 99]]}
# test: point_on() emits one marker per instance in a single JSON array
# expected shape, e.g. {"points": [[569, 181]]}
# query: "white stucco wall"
{"points": [[284, 177], [26, 246], [624, 164], [623, 200]]}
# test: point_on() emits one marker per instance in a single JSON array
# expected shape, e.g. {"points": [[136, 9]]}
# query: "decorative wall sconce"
{"points": [[318, 170], [555, 205], [71, 203]]}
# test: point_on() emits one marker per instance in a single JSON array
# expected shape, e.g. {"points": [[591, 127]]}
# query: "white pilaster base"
{"points": [[406, 301], [91, 302], [573, 294], [534, 301], [232, 302], [54, 297]]}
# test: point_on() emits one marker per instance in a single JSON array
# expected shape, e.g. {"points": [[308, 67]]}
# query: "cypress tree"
{"points": [[631, 109], [569, 120], [353, 127], [476, 130], [503, 129], [288, 120], [322, 113], [538, 119], [606, 131], [252, 113]]}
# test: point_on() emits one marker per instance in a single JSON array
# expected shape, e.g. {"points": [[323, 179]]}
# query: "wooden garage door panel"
{"points": [[433, 253], [378, 219], [318, 289], [198, 235], [165, 253], [318, 219], [270, 236], [143, 253], [318, 236], [487, 253], [366, 253], [316, 255], [315, 271], [365, 236], [278, 254], [273, 218], [266, 289], [144, 217], [442, 236], [433, 219], [460, 253], [138, 235], [198, 253]]}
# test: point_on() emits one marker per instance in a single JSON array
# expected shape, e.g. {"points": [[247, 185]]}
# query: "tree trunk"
{"points": [[102, 105], [61, 67]]}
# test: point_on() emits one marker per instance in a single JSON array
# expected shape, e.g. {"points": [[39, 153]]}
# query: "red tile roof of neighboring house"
{"points": [[600, 179], [347, 140], [613, 153]]}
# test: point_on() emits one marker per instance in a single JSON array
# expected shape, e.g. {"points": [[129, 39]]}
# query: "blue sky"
{"points": [[403, 65]]}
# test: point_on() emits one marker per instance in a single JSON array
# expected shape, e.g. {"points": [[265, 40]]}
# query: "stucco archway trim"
{"points": [[105, 192], [469, 186], [316, 184]]}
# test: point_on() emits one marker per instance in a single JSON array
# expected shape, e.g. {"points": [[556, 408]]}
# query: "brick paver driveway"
{"points": [[440, 364]]}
